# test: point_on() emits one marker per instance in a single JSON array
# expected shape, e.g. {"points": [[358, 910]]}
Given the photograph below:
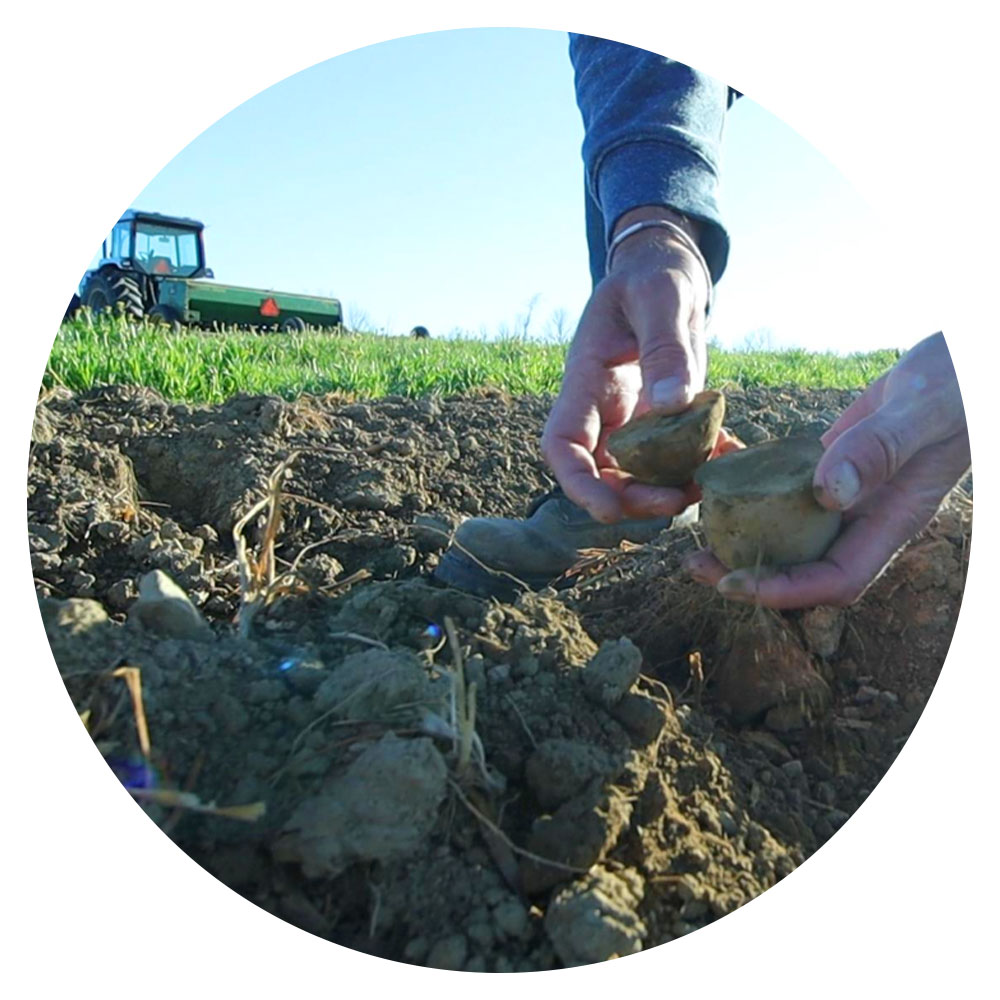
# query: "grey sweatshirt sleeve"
{"points": [[653, 130]]}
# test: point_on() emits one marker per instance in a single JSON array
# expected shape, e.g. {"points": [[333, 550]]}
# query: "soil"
{"points": [[582, 774]]}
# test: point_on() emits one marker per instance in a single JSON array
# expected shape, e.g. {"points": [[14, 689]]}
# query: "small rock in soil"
{"points": [[642, 716], [73, 617], [578, 834], [595, 918], [612, 671], [165, 610], [121, 594], [448, 953], [45, 562], [511, 919], [793, 769], [822, 628]]}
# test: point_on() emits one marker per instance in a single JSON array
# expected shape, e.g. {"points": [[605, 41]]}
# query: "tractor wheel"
{"points": [[111, 291], [294, 324], [163, 315]]}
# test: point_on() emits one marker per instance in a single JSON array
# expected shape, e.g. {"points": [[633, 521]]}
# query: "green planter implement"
{"points": [[154, 265]]}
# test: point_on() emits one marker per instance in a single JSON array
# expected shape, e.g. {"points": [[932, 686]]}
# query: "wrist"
{"points": [[644, 213], [655, 235]]}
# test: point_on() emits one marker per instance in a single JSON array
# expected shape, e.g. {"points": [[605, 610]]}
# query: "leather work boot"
{"points": [[537, 550]]}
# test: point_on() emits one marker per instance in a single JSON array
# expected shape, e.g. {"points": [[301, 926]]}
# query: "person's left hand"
{"points": [[892, 456]]}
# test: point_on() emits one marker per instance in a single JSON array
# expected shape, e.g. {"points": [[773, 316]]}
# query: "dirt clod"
{"points": [[612, 671], [765, 669], [595, 919], [381, 808]]}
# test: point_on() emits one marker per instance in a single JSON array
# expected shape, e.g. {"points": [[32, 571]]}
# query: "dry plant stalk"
{"points": [[133, 681], [463, 703], [465, 740], [176, 799], [697, 675], [496, 831], [260, 582], [257, 571], [173, 797]]}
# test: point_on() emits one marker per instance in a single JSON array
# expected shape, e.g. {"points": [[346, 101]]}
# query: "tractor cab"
{"points": [[160, 246]]}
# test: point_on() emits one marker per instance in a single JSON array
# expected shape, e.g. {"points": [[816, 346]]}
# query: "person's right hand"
{"points": [[640, 345]]}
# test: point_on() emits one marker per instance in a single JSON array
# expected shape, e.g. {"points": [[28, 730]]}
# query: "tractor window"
{"points": [[187, 252], [121, 241], [167, 250]]}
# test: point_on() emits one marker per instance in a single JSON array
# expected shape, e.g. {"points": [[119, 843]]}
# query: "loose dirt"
{"points": [[582, 774]]}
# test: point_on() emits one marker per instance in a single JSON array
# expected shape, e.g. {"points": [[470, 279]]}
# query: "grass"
{"points": [[209, 367]]}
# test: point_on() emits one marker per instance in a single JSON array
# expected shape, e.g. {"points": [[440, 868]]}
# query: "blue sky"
{"points": [[436, 179]]}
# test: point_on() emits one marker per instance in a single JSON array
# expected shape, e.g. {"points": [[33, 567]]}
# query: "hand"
{"points": [[640, 345], [891, 457]]}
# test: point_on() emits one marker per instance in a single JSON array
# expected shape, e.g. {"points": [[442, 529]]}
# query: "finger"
{"points": [[704, 567], [871, 452], [601, 501], [568, 441], [573, 465], [803, 586], [643, 500], [660, 322], [854, 560], [640, 500]]}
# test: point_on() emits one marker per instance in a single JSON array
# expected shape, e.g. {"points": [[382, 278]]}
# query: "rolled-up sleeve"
{"points": [[653, 133]]}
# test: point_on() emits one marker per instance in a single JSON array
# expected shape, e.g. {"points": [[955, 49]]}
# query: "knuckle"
{"points": [[886, 450], [665, 353]]}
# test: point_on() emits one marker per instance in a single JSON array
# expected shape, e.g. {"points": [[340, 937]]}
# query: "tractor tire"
{"points": [[164, 315], [293, 324], [111, 291]]}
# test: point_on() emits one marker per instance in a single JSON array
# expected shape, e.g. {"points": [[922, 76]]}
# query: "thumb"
{"points": [[661, 326], [869, 454]]}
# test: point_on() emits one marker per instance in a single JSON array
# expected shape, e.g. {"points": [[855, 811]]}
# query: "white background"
{"points": [[900, 902]]}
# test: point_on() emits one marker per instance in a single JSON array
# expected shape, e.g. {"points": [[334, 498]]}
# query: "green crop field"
{"points": [[209, 367]]}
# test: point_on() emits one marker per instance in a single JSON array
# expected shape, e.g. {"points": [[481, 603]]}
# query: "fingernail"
{"points": [[670, 391], [842, 483], [738, 586], [692, 566]]}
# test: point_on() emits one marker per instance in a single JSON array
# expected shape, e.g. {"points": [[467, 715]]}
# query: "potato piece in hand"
{"points": [[665, 449], [758, 505]]}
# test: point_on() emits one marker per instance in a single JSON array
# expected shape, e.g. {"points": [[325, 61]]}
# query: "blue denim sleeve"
{"points": [[653, 131]]}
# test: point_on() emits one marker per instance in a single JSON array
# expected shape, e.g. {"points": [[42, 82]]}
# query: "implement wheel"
{"points": [[110, 291], [294, 324], [163, 315]]}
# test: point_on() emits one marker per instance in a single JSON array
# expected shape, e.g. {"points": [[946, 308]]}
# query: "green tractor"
{"points": [[151, 265]]}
